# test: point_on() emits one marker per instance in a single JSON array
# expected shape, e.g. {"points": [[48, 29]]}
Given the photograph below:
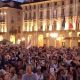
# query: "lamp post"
{"points": [[54, 35]]}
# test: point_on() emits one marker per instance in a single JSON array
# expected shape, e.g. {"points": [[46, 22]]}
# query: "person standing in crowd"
{"points": [[29, 75]]}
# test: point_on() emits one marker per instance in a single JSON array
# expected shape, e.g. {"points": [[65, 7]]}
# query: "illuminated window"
{"points": [[23, 39], [35, 28], [30, 28], [50, 27], [40, 40], [58, 24], [27, 28], [29, 38], [44, 27], [12, 39], [70, 34], [47, 34], [1, 37], [2, 29]]}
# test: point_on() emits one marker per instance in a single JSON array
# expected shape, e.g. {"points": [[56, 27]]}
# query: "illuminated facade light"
{"points": [[59, 38], [4, 13], [18, 41], [54, 35]]}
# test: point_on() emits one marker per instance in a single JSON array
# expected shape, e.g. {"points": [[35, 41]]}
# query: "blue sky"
{"points": [[19, 0]]}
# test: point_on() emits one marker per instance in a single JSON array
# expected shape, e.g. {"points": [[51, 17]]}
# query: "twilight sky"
{"points": [[19, 0]]}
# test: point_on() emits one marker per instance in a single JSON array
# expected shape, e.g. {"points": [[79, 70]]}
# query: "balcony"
{"points": [[13, 31]]}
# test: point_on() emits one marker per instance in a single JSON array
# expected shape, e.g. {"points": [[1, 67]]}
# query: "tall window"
{"points": [[79, 10], [19, 29], [55, 4], [71, 1], [29, 7], [62, 12], [29, 38], [29, 15], [34, 6], [48, 5], [26, 8], [41, 6], [25, 18], [55, 13], [62, 2], [71, 11], [48, 14], [34, 15], [26, 26], [41, 14]]}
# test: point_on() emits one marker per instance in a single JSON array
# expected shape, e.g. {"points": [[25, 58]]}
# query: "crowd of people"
{"points": [[39, 63]]}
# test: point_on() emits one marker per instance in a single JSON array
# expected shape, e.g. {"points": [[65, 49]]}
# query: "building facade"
{"points": [[10, 20], [50, 22]]}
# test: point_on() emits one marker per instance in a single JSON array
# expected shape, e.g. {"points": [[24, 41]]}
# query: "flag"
{"points": [[70, 23], [63, 22]]}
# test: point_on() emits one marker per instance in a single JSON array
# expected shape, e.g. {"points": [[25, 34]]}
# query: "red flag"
{"points": [[70, 23], [70, 26]]}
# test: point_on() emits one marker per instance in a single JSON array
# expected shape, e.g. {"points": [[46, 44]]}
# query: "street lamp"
{"points": [[54, 35], [18, 41], [23, 39]]}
